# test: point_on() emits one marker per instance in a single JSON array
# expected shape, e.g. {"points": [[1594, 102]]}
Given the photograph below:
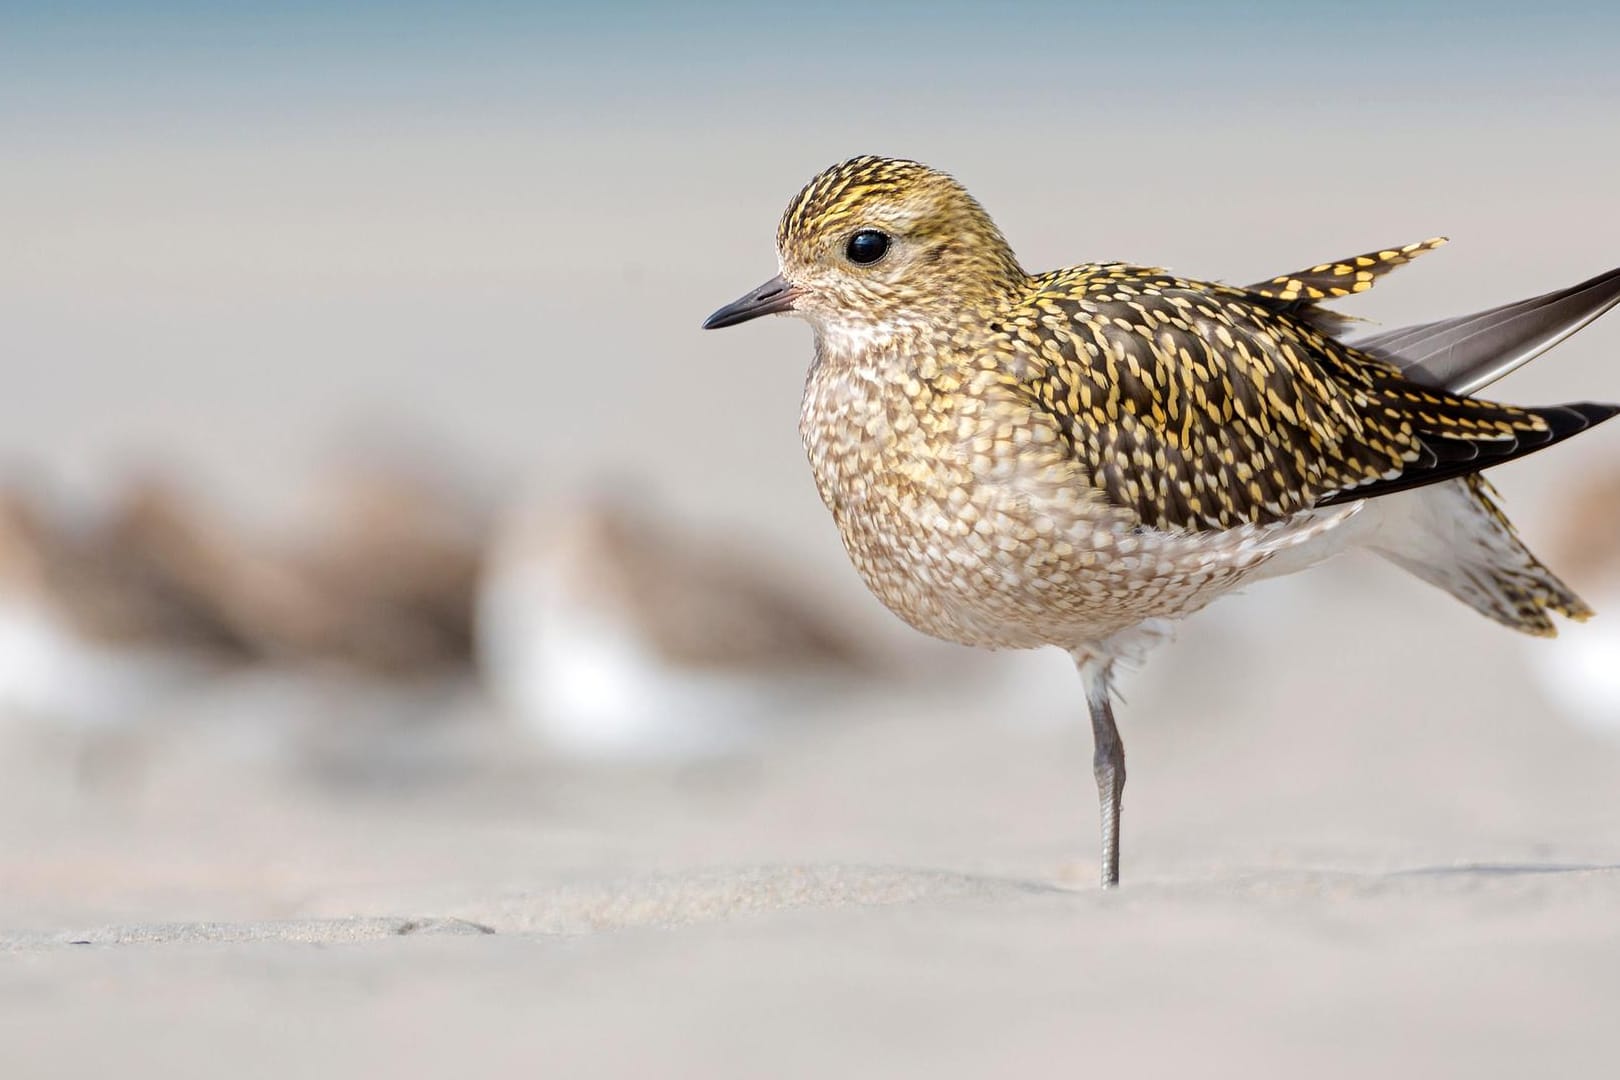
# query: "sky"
{"points": [[172, 71], [232, 233]]}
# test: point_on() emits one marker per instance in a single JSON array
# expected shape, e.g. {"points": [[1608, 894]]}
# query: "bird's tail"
{"points": [[1453, 535]]}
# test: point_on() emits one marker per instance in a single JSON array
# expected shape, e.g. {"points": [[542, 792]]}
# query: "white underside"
{"points": [[584, 680], [1439, 533], [48, 672]]}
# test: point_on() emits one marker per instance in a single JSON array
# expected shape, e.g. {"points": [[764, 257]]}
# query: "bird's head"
{"points": [[874, 245]]}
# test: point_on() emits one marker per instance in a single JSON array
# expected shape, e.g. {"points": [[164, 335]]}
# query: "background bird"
{"points": [[614, 634], [1082, 457], [1581, 679]]}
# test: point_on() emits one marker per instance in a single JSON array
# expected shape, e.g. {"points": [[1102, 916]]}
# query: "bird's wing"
{"points": [[1342, 277], [1467, 353], [1462, 354], [1302, 292], [1199, 406]]}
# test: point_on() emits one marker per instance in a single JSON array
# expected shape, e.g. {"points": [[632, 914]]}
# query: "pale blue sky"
{"points": [[615, 59]]}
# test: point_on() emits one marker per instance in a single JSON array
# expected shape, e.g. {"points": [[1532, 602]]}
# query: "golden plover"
{"points": [[1080, 458]]}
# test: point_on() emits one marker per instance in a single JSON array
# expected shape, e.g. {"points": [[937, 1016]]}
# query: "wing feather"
{"points": [[1200, 406]]}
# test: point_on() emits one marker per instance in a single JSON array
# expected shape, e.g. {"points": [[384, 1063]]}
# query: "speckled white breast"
{"points": [[964, 513]]}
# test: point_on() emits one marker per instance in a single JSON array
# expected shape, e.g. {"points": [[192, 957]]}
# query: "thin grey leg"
{"points": [[1107, 765]]}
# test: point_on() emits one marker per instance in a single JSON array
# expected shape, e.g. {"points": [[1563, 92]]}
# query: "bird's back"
{"points": [[1202, 406]]}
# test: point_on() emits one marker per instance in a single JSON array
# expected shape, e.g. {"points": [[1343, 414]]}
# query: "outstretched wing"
{"points": [[1462, 354], [1342, 277], [1200, 406], [1468, 352], [1302, 292]]}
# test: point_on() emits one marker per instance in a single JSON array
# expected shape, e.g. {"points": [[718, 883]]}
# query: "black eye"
{"points": [[866, 247]]}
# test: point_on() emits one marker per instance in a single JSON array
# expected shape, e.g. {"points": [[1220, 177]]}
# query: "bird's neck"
{"points": [[845, 344], [875, 349]]}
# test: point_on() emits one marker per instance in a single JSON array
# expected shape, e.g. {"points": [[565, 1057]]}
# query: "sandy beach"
{"points": [[1323, 874]]}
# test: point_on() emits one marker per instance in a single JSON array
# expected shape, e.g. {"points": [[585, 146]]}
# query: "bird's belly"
{"points": [[1017, 561]]}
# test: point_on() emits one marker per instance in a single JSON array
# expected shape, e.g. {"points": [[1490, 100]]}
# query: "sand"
{"points": [[1327, 872]]}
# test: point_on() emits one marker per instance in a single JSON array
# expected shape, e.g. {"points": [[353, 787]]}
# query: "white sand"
{"points": [[1327, 873]]}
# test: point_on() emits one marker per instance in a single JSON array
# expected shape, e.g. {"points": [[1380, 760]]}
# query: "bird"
{"points": [[91, 637], [613, 634], [1582, 681], [1084, 457]]}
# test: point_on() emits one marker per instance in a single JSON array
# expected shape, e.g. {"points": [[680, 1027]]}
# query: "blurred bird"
{"points": [[403, 537], [1583, 678], [380, 592], [1082, 457], [616, 636], [89, 637]]}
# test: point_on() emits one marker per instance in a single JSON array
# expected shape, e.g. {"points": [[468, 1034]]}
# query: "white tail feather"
{"points": [[1453, 536]]}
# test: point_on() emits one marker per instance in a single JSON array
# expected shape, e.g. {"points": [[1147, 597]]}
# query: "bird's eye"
{"points": [[866, 247]]}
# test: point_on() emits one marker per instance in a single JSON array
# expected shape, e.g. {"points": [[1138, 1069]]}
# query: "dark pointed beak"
{"points": [[774, 296]]}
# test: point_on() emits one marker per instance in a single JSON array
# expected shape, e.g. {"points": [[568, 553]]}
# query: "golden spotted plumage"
{"points": [[1016, 460], [1342, 277], [1081, 457], [1202, 406]]}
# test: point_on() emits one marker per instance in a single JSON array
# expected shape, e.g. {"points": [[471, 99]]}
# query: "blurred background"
{"points": [[370, 490]]}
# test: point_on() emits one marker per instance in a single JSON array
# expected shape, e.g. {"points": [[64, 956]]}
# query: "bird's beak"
{"points": [[776, 295]]}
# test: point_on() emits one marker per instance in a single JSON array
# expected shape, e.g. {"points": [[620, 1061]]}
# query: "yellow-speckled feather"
{"points": [[1342, 277], [1199, 407]]}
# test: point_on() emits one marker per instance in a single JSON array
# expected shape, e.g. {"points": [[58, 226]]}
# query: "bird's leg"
{"points": [[1107, 762]]}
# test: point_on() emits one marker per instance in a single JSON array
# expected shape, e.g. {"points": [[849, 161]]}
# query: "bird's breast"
{"points": [[952, 499], [968, 515]]}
